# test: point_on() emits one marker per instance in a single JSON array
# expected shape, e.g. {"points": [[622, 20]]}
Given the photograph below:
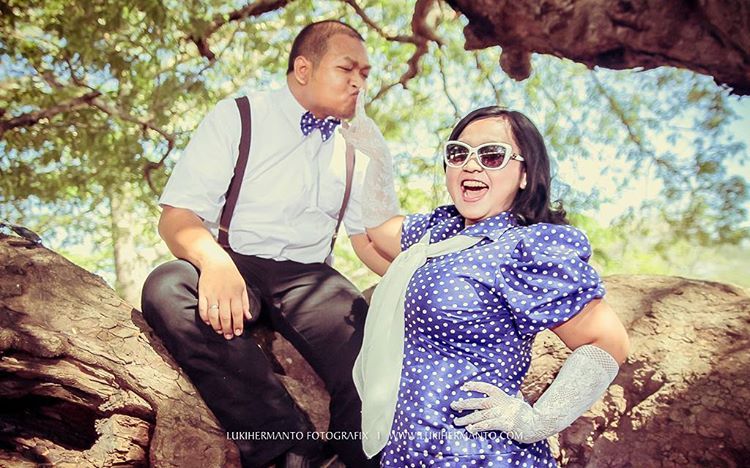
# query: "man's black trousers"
{"points": [[312, 305]]}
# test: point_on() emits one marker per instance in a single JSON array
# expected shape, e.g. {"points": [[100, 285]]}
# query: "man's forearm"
{"points": [[187, 237]]}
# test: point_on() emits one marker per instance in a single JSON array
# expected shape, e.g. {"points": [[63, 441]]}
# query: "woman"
{"points": [[451, 326]]}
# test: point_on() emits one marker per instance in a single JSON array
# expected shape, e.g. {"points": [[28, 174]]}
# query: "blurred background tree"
{"points": [[97, 99]]}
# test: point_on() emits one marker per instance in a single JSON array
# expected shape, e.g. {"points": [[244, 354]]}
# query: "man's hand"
{"points": [[222, 297], [363, 134], [222, 294]]}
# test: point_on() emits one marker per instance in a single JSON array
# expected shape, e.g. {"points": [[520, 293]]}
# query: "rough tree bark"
{"points": [[682, 397], [83, 382], [706, 36]]}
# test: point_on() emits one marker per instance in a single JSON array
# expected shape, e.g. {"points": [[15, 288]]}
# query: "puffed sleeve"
{"points": [[416, 225], [548, 279]]}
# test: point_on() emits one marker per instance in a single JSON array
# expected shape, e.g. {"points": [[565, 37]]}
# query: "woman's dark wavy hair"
{"points": [[532, 204]]}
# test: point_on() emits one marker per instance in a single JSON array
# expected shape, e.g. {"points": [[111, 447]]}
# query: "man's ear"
{"points": [[302, 70], [523, 181]]}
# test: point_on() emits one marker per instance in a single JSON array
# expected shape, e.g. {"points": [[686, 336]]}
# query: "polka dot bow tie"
{"points": [[308, 123]]}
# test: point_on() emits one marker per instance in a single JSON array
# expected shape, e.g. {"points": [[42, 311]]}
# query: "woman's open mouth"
{"points": [[473, 190]]}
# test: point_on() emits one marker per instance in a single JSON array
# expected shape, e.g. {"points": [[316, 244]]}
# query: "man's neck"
{"points": [[302, 97]]}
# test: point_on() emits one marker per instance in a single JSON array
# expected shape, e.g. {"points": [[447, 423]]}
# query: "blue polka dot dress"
{"points": [[473, 315]]}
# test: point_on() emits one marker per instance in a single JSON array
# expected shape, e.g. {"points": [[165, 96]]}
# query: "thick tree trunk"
{"points": [[706, 36], [83, 382], [132, 264], [682, 398]]}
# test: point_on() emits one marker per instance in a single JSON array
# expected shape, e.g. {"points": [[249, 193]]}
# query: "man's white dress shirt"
{"points": [[293, 186]]}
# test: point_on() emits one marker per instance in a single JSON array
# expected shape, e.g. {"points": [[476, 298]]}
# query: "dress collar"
{"points": [[491, 228]]}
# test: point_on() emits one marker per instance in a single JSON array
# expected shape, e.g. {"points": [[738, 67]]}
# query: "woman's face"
{"points": [[479, 193]]}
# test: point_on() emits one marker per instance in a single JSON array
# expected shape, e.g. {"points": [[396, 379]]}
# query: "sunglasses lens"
{"points": [[455, 155], [492, 156]]}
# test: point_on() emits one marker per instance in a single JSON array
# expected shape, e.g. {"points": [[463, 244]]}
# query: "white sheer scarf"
{"points": [[377, 370]]}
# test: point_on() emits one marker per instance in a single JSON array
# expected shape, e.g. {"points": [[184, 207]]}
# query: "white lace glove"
{"points": [[379, 201], [582, 380]]}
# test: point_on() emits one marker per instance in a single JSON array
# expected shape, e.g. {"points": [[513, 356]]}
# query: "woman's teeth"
{"points": [[473, 190], [473, 185]]}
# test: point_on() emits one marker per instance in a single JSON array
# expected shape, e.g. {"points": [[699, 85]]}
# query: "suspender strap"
{"points": [[243, 104], [349, 176]]}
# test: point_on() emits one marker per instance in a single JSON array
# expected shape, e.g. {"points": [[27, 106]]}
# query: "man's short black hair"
{"points": [[312, 41]]}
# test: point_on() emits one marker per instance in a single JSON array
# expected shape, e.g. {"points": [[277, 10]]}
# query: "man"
{"points": [[279, 236]]}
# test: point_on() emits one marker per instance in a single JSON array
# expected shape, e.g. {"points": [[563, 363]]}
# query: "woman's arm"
{"points": [[373, 258], [596, 325], [380, 206], [386, 237], [600, 344]]}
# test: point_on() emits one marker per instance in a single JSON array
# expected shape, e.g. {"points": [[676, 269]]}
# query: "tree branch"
{"points": [[700, 36], [252, 9], [48, 77], [413, 64], [121, 114], [383, 91], [369, 22], [32, 118], [441, 68], [617, 109], [146, 125], [662, 162], [487, 78], [422, 34], [420, 27]]}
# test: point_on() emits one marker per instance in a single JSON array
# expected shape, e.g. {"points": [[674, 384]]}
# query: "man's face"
{"points": [[338, 77]]}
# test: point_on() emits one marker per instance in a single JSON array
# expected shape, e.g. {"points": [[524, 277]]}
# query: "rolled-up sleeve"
{"points": [[201, 176]]}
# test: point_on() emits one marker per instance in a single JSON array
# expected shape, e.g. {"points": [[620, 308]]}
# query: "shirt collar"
{"points": [[291, 107], [492, 227]]}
